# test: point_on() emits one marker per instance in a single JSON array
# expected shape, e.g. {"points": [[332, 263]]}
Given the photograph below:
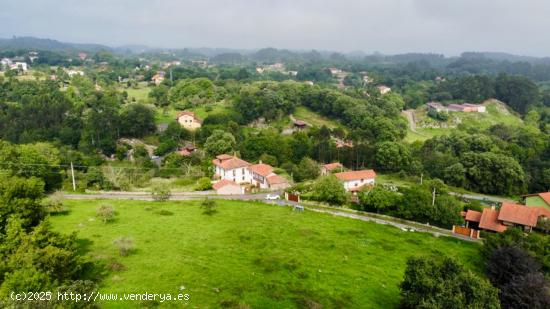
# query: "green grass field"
{"points": [[305, 114], [252, 255], [497, 113]]}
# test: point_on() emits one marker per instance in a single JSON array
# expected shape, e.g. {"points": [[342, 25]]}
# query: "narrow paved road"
{"points": [[409, 114]]}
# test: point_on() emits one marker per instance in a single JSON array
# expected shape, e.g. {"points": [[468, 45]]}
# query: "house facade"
{"points": [[354, 181], [241, 172], [231, 168], [189, 120]]}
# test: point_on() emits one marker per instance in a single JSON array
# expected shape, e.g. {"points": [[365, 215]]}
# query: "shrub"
{"points": [[329, 189], [444, 283], [54, 204], [203, 184], [125, 245], [106, 213], [208, 206], [160, 193]]}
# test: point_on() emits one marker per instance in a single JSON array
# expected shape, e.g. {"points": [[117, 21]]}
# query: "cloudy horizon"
{"points": [[389, 27]]}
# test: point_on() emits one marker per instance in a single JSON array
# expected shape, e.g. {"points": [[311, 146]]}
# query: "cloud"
{"points": [[396, 26]]}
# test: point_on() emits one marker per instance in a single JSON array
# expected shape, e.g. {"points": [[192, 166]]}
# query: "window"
{"points": [[234, 173]]}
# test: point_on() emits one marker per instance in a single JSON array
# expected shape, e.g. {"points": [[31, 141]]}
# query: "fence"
{"points": [[466, 231]]}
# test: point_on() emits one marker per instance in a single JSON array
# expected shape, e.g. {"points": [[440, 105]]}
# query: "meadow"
{"points": [[250, 254]]}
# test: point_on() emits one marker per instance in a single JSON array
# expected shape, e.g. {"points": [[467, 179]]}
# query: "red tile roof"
{"points": [[261, 169], [545, 196], [518, 214], [332, 166], [276, 179], [222, 183], [473, 216], [189, 114], [489, 221], [354, 175], [223, 157], [228, 162], [541, 211]]}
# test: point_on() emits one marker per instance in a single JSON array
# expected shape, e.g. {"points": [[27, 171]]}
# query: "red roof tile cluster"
{"points": [[261, 169], [332, 166], [276, 179], [545, 196], [355, 175], [518, 214], [493, 220], [489, 221], [473, 216], [228, 162], [223, 183]]}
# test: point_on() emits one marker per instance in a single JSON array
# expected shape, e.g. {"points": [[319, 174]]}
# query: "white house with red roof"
{"points": [[356, 180], [239, 171], [189, 120], [231, 168]]}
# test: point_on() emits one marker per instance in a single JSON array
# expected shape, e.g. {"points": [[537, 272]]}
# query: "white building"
{"points": [[231, 168], [189, 120], [355, 180]]}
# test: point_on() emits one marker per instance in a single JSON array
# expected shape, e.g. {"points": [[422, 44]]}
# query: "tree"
{"points": [[160, 95], [378, 199], [518, 92], [306, 169], [392, 156], [20, 197], [329, 189], [137, 120], [444, 283], [526, 292], [493, 173], [219, 142]]}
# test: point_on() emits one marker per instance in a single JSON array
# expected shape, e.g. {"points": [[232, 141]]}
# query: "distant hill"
{"points": [[30, 43]]}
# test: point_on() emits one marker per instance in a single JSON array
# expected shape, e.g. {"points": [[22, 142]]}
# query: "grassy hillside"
{"points": [[252, 254], [312, 118], [497, 112]]}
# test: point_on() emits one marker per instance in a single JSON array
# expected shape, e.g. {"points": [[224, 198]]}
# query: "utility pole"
{"points": [[433, 198], [72, 174]]}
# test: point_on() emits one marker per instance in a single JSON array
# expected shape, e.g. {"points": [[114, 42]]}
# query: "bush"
{"points": [[160, 193], [54, 204], [125, 245], [106, 213], [329, 189], [209, 206], [203, 184], [443, 283]]}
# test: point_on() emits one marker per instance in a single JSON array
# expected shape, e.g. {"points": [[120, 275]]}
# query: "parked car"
{"points": [[272, 197]]}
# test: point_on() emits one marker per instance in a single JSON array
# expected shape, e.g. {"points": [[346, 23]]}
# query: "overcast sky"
{"points": [[388, 26]]}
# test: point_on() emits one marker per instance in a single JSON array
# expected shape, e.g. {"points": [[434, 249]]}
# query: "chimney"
{"points": [[260, 161]]}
